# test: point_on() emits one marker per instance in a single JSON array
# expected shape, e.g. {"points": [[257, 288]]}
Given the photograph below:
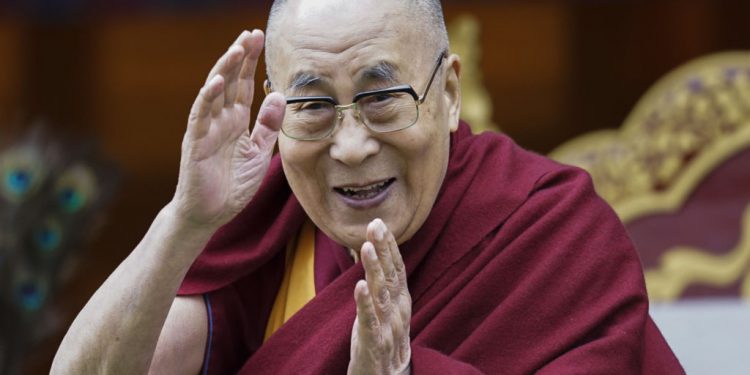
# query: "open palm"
{"points": [[223, 164]]}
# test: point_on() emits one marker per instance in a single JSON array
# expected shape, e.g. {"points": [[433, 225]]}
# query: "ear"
{"points": [[452, 91]]}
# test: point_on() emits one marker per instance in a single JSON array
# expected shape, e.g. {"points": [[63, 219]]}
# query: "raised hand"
{"points": [[380, 335], [222, 163]]}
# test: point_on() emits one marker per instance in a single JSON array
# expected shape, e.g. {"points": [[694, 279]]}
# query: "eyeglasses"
{"points": [[310, 118]]}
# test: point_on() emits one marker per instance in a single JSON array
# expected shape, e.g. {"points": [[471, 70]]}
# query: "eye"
{"points": [[48, 236], [22, 173], [313, 106], [379, 98], [30, 295], [76, 188]]}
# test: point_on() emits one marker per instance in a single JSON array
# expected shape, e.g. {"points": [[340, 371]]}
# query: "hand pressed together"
{"points": [[380, 335], [222, 163]]}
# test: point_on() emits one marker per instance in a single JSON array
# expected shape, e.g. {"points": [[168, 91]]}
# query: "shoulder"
{"points": [[554, 201], [535, 167], [513, 173]]}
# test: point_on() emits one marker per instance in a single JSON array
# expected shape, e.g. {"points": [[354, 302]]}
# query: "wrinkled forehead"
{"points": [[333, 38]]}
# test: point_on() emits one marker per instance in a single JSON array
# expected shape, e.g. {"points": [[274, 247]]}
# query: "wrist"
{"points": [[181, 237], [176, 222]]}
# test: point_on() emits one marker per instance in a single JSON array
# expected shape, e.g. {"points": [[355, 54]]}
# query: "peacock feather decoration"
{"points": [[52, 194]]}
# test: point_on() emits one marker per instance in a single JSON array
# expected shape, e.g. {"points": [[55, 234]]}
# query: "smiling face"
{"points": [[339, 48]]}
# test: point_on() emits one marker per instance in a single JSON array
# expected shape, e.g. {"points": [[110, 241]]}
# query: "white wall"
{"points": [[709, 336]]}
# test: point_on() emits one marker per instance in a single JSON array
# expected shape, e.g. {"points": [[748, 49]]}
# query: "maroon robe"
{"points": [[519, 268]]}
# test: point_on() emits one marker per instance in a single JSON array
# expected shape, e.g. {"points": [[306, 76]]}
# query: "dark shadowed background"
{"points": [[126, 74]]}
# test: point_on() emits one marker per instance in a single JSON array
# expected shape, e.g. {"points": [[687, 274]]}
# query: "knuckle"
{"points": [[391, 279], [193, 116], [387, 310], [371, 322], [399, 267], [384, 298]]}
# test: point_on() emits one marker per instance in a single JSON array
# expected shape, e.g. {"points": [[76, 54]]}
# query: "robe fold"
{"points": [[519, 268]]}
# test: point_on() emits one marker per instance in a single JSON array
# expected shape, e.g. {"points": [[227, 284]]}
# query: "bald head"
{"points": [[423, 16]]}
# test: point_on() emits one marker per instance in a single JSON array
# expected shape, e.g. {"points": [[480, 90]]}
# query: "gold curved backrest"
{"points": [[686, 125]]}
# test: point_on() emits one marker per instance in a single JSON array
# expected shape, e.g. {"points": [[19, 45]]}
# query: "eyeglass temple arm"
{"points": [[438, 63]]}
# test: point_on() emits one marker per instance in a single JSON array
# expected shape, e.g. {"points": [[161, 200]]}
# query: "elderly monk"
{"points": [[384, 238]]}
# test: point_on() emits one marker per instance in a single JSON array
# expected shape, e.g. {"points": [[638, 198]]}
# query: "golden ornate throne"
{"points": [[678, 175]]}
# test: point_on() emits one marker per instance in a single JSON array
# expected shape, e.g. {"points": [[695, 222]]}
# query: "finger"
{"points": [[230, 70], [376, 283], [401, 296], [243, 42], [377, 233], [401, 300], [200, 114], [398, 262], [268, 123], [230, 91], [253, 45], [399, 333], [220, 63], [225, 67], [368, 325]]}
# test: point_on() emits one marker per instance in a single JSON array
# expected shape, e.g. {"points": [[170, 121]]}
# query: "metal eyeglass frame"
{"points": [[353, 105]]}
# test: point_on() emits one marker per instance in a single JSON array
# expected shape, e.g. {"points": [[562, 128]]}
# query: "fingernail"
{"points": [[369, 251], [242, 34], [380, 231]]}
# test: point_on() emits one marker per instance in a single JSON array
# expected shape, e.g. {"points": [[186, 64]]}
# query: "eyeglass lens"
{"points": [[381, 112]]}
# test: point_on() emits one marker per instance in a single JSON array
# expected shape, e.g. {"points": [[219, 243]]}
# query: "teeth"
{"points": [[354, 190], [364, 192]]}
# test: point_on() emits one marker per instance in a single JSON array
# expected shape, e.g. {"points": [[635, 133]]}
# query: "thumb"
{"points": [[269, 120]]}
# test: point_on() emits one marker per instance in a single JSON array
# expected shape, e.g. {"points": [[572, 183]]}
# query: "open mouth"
{"points": [[364, 192]]}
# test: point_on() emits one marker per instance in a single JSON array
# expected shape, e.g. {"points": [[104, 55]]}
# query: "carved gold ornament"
{"points": [[688, 124], [476, 105]]}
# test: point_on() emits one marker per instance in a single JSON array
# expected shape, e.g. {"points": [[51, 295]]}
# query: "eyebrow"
{"points": [[382, 71], [303, 80]]}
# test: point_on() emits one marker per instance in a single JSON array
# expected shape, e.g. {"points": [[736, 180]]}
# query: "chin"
{"points": [[352, 236]]}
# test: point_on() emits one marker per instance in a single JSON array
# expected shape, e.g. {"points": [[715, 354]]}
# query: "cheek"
{"points": [[299, 161], [427, 142], [427, 155], [297, 155]]}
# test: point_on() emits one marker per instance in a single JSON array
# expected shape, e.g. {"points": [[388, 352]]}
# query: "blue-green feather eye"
{"points": [[48, 236], [70, 199], [18, 181], [22, 173], [75, 188], [30, 296]]}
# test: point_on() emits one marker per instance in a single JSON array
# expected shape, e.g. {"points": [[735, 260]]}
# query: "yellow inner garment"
{"points": [[298, 286]]}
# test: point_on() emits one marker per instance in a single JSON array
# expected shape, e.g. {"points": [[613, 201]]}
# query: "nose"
{"points": [[352, 141]]}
